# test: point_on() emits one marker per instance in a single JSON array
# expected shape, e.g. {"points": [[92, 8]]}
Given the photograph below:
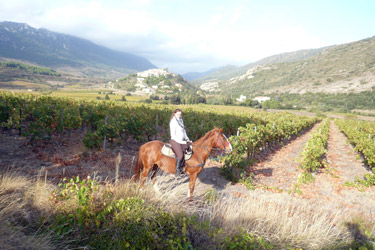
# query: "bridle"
{"points": [[222, 143], [218, 139]]}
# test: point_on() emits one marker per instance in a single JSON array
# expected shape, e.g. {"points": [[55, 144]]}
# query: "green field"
{"points": [[85, 94], [94, 94]]}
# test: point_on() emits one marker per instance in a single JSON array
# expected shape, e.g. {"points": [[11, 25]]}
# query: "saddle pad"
{"points": [[168, 151]]}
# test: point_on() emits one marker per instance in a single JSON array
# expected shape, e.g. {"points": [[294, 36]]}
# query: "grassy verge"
{"points": [[84, 214]]}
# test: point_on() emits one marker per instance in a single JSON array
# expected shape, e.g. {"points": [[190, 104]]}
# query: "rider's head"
{"points": [[177, 113]]}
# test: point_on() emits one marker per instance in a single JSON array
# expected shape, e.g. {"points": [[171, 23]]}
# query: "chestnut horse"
{"points": [[150, 157]]}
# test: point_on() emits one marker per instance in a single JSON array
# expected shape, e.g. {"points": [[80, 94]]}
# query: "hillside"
{"points": [[18, 75], [228, 72], [66, 53], [339, 69], [191, 76], [156, 81]]}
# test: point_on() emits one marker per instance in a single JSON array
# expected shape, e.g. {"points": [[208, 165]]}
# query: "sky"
{"points": [[198, 35]]}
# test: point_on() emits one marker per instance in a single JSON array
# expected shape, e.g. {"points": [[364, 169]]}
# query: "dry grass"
{"points": [[285, 221], [308, 226], [22, 202]]}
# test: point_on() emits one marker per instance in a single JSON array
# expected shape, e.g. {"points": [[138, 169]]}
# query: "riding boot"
{"points": [[182, 164], [178, 167]]}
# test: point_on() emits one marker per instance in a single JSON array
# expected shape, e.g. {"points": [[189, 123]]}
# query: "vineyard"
{"points": [[362, 135], [106, 123], [38, 117], [274, 154]]}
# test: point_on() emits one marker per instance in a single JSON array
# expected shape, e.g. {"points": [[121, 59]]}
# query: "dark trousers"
{"points": [[178, 149]]}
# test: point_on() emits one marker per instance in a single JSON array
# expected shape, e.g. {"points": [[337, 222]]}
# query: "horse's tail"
{"points": [[138, 168]]}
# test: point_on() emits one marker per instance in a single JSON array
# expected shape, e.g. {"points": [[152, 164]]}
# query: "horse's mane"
{"points": [[201, 140]]}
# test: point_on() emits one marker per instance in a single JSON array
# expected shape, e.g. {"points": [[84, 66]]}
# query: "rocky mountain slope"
{"points": [[342, 68], [66, 53]]}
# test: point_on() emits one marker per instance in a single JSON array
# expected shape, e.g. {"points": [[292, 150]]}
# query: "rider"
{"points": [[179, 139]]}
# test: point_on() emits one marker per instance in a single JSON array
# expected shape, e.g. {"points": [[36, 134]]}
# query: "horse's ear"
{"points": [[219, 130]]}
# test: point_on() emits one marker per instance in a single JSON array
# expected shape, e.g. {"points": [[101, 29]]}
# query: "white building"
{"points": [[140, 79], [261, 99], [149, 90], [241, 99], [153, 72]]}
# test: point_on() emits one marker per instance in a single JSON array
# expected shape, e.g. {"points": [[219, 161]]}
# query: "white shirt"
{"points": [[177, 129]]}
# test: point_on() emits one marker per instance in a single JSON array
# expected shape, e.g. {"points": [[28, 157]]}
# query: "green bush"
{"points": [[114, 224], [92, 140]]}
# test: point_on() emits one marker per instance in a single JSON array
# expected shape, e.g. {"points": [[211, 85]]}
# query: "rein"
{"points": [[201, 163]]}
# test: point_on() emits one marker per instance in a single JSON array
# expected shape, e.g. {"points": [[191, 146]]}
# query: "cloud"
{"points": [[170, 36]]}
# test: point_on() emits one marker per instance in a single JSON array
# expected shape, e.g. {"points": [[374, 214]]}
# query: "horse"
{"points": [[150, 157]]}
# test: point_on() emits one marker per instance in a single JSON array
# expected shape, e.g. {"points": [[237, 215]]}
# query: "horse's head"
{"points": [[222, 141]]}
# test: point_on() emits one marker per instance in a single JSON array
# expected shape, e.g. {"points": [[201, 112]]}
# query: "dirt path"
{"points": [[280, 169], [342, 157], [344, 165]]}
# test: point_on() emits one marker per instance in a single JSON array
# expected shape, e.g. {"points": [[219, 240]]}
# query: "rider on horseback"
{"points": [[179, 139]]}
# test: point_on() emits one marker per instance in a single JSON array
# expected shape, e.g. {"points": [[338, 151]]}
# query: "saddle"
{"points": [[168, 151]]}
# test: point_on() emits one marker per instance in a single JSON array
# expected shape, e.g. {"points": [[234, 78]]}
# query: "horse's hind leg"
{"points": [[146, 170], [154, 171]]}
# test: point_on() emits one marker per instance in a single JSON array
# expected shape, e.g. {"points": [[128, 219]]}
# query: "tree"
{"points": [[154, 97], [271, 104], [251, 103], [228, 101], [175, 99]]}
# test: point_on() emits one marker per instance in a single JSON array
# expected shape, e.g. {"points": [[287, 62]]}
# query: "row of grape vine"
{"points": [[39, 117]]}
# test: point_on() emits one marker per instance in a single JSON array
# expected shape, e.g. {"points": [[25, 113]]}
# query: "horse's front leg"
{"points": [[193, 178]]}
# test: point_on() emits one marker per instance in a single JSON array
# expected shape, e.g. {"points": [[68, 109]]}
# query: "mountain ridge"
{"points": [[229, 71], [344, 68], [191, 76], [60, 51]]}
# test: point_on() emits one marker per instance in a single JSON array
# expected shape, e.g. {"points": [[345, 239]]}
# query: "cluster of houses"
{"points": [[144, 88], [141, 76], [154, 72]]}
